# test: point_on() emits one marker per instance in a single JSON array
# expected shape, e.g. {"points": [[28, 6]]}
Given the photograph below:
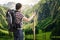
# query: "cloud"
{"points": [[20, 1]]}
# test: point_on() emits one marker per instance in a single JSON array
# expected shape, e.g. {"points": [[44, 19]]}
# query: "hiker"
{"points": [[17, 21]]}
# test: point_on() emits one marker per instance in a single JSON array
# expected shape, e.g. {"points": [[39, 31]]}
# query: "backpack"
{"points": [[10, 19]]}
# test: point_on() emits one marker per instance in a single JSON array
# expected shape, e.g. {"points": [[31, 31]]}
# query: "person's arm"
{"points": [[28, 19]]}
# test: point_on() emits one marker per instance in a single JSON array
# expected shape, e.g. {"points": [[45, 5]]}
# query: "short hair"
{"points": [[18, 6]]}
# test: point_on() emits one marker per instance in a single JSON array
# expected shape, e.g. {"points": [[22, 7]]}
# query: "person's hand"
{"points": [[34, 14]]}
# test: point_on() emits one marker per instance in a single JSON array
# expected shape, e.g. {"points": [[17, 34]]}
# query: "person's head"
{"points": [[18, 6]]}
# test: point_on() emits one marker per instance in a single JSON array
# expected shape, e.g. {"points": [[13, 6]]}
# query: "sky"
{"points": [[29, 2]]}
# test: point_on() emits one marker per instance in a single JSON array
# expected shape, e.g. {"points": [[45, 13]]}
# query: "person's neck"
{"points": [[18, 10]]}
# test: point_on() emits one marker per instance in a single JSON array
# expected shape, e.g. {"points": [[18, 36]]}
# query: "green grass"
{"points": [[40, 36], [6, 38]]}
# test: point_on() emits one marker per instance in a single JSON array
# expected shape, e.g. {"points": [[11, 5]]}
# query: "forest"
{"points": [[46, 22]]}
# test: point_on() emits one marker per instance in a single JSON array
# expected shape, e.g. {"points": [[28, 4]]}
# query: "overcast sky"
{"points": [[29, 2]]}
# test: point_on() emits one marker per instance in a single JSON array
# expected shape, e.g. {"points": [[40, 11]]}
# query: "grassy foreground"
{"points": [[40, 36]]}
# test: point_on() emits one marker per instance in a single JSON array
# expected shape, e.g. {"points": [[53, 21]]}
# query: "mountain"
{"points": [[12, 5], [9, 5]]}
